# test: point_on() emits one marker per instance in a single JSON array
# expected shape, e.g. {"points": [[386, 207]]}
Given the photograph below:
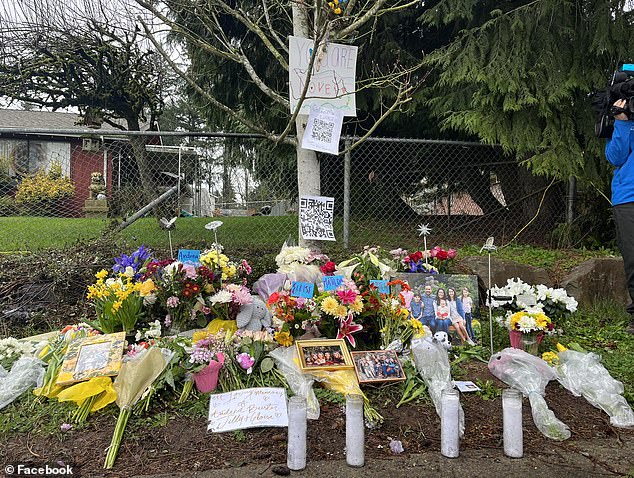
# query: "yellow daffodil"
{"points": [[116, 306], [102, 274], [338, 11]]}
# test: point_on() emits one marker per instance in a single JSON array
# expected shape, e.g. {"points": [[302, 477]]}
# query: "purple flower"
{"points": [[173, 302], [65, 427], [168, 321], [136, 260]]}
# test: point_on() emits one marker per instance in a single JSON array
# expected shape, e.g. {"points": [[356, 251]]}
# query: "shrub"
{"points": [[44, 192]]}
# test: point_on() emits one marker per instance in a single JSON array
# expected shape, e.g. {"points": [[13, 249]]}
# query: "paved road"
{"points": [[570, 459]]}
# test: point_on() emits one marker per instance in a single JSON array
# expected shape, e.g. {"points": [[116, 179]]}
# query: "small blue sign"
{"points": [[332, 282], [302, 289], [189, 256], [381, 285]]}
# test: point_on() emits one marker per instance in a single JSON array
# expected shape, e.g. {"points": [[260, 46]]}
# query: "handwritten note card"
{"points": [[189, 256], [248, 408], [302, 289], [381, 285], [332, 282]]}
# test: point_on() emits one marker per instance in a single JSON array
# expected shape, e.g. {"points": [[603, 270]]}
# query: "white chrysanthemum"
{"points": [[221, 297], [292, 254], [527, 324]]}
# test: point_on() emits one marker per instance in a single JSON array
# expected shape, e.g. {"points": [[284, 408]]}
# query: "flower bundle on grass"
{"points": [[12, 349], [119, 301], [248, 364], [135, 377], [396, 326], [180, 292], [527, 308]]}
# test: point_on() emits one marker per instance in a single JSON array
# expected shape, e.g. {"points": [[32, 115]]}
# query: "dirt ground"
{"points": [[183, 445]]}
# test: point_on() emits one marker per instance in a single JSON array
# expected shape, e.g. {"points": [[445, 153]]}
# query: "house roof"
{"points": [[50, 120]]}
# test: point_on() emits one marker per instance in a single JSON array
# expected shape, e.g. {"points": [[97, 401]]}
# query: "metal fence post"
{"points": [[346, 194], [570, 202]]}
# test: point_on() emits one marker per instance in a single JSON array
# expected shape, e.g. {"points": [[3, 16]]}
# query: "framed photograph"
{"points": [[378, 366], [329, 354], [95, 356], [427, 288]]}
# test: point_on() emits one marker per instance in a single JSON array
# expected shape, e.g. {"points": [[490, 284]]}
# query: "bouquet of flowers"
{"points": [[396, 326], [338, 309], [517, 296], [371, 264], [292, 316], [527, 321], [225, 304], [433, 261], [12, 349], [219, 263], [180, 291], [118, 302]]}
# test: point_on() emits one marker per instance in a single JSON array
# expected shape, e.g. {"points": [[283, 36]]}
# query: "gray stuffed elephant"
{"points": [[254, 316]]}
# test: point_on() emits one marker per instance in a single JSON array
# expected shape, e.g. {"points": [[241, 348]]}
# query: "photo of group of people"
{"points": [[444, 303], [324, 354], [377, 366]]}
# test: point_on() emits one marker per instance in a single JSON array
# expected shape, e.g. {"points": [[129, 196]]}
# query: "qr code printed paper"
{"points": [[322, 130], [316, 215]]}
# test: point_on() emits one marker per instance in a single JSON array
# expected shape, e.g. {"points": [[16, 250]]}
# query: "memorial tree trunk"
{"points": [[308, 174]]}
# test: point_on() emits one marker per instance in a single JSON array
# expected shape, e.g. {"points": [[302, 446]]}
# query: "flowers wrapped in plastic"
{"points": [[584, 375], [135, 377], [530, 375], [301, 384], [432, 363], [26, 373]]}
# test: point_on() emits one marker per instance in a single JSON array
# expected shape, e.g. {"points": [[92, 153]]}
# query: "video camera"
{"points": [[621, 88]]}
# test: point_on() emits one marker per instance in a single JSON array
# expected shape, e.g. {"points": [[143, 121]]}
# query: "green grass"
{"points": [[36, 233], [600, 328]]}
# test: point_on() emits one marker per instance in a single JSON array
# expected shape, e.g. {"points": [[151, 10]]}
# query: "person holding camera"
{"points": [[619, 151]]}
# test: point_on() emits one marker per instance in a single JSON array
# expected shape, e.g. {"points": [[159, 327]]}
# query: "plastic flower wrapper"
{"points": [[11, 349], [268, 284], [53, 355], [301, 384], [90, 396], [432, 364], [530, 375], [584, 375], [135, 377], [346, 383], [25, 373]]}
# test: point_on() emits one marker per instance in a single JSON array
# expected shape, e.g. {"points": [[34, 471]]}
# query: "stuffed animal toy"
{"points": [[443, 339], [254, 316]]}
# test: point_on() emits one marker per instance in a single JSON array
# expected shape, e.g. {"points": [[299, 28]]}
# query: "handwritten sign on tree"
{"points": [[248, 408], [332, 81]]}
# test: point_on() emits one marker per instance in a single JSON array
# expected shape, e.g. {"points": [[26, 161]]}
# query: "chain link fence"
{"points": [[53, 182]]}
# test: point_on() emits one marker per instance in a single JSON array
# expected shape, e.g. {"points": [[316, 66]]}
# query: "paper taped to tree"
{"points": [[316, 216]]}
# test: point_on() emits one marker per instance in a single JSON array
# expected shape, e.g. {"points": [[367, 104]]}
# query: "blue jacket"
{"points": [[620, 153]]}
